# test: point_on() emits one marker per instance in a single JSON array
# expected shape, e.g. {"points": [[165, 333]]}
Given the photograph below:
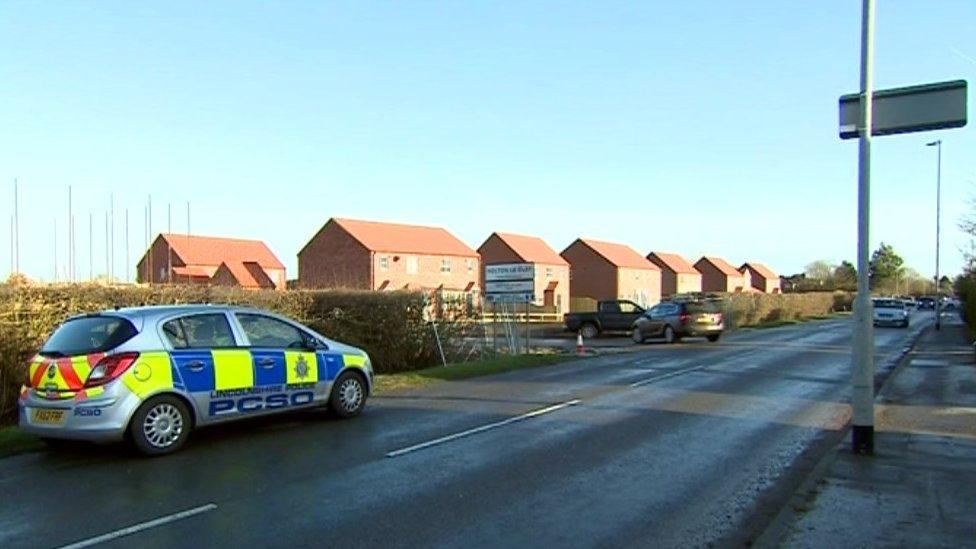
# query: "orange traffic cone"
{"points": [[580, 350]]}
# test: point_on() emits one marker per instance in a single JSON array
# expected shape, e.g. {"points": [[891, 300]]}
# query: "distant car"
{"points": [[673, 320], [926, 303], [151, 374], [890, 312], [610, 316]]}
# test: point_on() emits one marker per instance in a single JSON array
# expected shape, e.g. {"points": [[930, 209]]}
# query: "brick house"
{"points": [[369, 255], [605, 271], [191, 259], [551, 270], [719, 276], [677, 275], [761, 277]]}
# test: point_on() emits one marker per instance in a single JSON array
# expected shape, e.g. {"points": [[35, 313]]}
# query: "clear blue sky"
{"points": [[695, 127]]}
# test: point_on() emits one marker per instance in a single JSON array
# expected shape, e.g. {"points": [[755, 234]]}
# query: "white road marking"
{"points": [[141, 526], [483, 428], [667, 375]]}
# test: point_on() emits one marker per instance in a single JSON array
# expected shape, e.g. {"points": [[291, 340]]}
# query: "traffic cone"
{"points": [[580, 350]]}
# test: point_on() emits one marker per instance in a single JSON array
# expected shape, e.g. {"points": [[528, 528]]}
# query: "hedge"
{"points": [[389, 326]]}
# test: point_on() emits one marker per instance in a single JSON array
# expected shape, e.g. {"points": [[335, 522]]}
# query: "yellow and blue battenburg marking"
{"points": [[201, 370]]}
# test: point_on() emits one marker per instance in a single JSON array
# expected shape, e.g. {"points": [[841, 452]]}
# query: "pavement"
{"points": [[692, 444], [919, 487]]}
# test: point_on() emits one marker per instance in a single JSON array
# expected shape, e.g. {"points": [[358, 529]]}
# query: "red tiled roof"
{"points": [[212, 251], [195, 272], [675, 262], [531, 249], [722, 265], [620, 255], [412, 239], [763, 270], [248, 274]]}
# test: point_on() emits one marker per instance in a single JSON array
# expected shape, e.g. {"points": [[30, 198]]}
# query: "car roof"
{"points": [[157, 311]]}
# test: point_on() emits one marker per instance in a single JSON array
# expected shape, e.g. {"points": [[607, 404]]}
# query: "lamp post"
{"points": [[938, 215]]}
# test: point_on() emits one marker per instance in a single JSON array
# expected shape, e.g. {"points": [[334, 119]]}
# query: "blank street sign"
{"points": [[910, 109]]}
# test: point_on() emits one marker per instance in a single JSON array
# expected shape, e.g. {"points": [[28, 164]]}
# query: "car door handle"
{"points": [[266, 362], [195, 365]]}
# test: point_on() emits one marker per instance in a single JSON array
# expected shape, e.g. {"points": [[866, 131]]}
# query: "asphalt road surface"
{"points": [[673, 445]]}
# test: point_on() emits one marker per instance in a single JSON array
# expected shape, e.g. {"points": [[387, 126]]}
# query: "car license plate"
{"points": [[52, 417]]}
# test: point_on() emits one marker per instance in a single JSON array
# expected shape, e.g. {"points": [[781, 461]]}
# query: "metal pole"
{"points": [[127, 245], [862, 374], [16, 229], [938, 219], [91, 249]]}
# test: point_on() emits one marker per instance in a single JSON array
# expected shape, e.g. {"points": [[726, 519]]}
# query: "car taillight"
{"points": [[110, 368], [684, 318]]}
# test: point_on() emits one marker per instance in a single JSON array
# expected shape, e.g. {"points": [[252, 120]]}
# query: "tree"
{"points": [[819, 270], [845, 274], [886, 267]]}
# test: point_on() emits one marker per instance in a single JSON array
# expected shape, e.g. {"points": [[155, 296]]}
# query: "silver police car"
{"points": [[151, 374]]}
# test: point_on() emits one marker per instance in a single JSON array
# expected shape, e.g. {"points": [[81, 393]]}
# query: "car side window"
{"points": [[264, 331], [657, 311], [199, 331], [628, 307]]}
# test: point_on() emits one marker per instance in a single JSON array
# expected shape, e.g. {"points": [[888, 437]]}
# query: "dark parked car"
{"points": [[673, 320], [926, 303], [610, 316]]}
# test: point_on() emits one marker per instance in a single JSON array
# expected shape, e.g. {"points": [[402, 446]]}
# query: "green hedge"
{"points": [[389, 326], [751, 309]]}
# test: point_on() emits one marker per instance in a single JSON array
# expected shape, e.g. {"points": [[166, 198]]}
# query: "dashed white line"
{"points": [[481, 429], [141, 526], [667, 375]]}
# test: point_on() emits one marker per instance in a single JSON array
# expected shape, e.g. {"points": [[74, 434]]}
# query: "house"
{"points": [[606, 271], [551, 270], [677, 275], [370, 255], [719, 276], [761, 277], [192, 259]]}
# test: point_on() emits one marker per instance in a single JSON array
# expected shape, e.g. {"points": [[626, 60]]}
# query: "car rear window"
{"points": [[888, 304], [699, 307], [90, 334]]}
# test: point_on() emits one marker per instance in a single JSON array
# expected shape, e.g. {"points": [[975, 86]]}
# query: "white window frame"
{"points": [[446, 265], [384, 262], [413, 265]]}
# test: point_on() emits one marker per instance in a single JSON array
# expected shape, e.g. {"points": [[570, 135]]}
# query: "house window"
{"points": [[446, 266], [470, 264], [412, 265], [548, 272], [384, 263]]}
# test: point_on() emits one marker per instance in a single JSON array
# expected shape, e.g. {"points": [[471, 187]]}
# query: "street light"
{"points": [[938, 214]]}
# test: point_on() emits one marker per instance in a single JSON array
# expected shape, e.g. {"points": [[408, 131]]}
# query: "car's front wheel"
{"points": [[160, 426], [637, 335], [348, 395]]}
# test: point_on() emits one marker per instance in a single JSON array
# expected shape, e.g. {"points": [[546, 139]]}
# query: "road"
{"points": [[672, 445]]}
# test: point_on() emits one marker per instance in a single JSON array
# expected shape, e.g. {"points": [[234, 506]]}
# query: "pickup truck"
{"points": [[610, 316]]}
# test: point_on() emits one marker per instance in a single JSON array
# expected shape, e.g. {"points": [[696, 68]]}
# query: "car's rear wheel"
{"points": [[589, 330], [713, 337], [637, 335], [348, 395], [669, 336], [160, 426]]}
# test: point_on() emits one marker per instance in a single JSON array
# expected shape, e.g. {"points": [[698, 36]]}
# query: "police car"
{"points": [[151, 374]]}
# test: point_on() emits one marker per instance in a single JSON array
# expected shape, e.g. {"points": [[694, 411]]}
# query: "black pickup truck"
{"points": [[610, 316]]}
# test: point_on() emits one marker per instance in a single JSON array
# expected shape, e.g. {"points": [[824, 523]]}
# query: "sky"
{"points": [[700, 127]]}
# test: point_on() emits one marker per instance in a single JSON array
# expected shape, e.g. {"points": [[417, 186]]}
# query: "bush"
{"points": [[751, 309], [390, 326]]}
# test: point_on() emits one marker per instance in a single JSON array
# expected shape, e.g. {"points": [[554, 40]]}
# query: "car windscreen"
{"points": [[888, 304], [700, 307], [90, 334]]}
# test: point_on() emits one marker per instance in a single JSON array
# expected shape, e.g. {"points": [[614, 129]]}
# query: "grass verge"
{"points": [[14, 441], [464, 370]]}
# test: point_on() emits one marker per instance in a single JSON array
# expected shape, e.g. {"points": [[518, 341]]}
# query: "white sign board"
{"points": [[510, 271], [509, 286], [510, 298]]}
